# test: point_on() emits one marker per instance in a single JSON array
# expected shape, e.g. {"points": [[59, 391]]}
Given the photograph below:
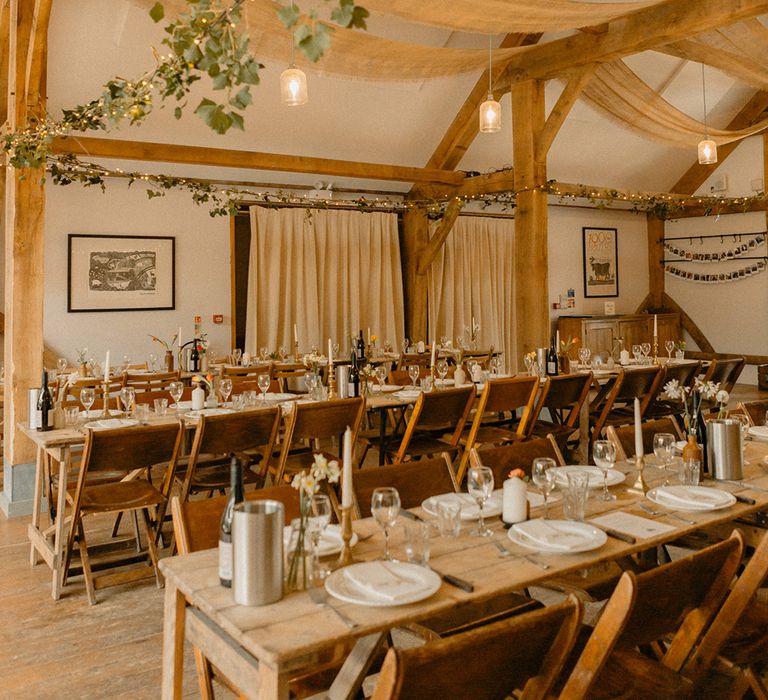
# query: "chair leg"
{"points": [[86, 563], [151, 546], [756, 684], [203, 667], [136, 531], [116, 526]]}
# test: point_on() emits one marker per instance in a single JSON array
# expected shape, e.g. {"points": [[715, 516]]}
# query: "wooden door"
{"points": [[668, 329], [598, 337]]}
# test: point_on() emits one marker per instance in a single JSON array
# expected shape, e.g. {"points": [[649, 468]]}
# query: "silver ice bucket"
{"points": [[257, 552], [342, 379], [724, 449]]}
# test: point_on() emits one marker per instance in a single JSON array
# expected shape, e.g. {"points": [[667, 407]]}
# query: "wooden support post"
{"points": [[415, 290], [441, 233], [531, 259], [655, 266], [765, 170]]}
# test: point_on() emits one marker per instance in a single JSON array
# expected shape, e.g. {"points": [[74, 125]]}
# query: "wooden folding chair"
{"points": [[524, 653], [157, 381], [242, 373], [240, 386], [287, 374], [674, 605], [482, 357], [122, 449], [755, 410], [435, 414], [562, 396], [624, 437], [400, 377], [148, 397], [422, 359], [518, 455], [664, 406], [505, 395], [249, 435], [313, 422], [725, 372]]}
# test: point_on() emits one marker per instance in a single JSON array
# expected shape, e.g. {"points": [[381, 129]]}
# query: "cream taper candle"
{"points": [[346, 470]]}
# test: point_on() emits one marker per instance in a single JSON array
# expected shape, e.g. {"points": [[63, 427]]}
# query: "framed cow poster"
{"points": [[601, 268]]}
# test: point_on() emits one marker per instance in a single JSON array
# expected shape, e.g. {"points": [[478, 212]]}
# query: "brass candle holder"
{"points": [[640, 487], [331, 381], [345, 556], [105, 393], [656, 349], [296, 356]]}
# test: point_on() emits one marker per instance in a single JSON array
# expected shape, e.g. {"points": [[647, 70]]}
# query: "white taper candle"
{"points": [[346, 471], [638, 430]]}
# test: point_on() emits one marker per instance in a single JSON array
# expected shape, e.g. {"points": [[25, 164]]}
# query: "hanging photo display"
{"points": [[755, 268], [718, 255]]}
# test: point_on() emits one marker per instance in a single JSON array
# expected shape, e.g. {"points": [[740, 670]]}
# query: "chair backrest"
{"points": [[235, 373], [240, 386], [482, 357], [156, 381], [518, 455], [196, 523], [446, 410], [72, 393], [414, 481], [148, 397], [400, 377], [422, 359], [604, 401], [624, 437], [522, 652], [756, 410], [725, 372], [561, 393], [685, 374], [288, 372], [643, 383]]}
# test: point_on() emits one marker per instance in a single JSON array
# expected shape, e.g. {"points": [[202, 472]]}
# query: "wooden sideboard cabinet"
{"points": [[601, 333]]}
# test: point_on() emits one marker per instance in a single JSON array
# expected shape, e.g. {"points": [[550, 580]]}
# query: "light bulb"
{"points": [[490, 116], [293, 86], [707, 152]]}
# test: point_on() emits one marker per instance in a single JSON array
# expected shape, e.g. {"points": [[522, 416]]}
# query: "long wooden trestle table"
{"points": [[261, 648]]}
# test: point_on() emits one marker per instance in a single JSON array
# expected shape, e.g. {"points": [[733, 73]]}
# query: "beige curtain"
{"points": [[472, 275], [329, 272]]}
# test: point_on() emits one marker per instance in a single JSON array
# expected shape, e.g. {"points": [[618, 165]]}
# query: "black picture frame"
{"points": [[600, 262], [120, 273]]}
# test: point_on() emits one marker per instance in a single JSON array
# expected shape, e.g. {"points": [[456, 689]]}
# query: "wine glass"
{"points": [[669, 346], [529, 362], [664, 447], [413, 373], [126, 362], [442, 370], [225, 389], [480, 487], [61, 365], [385, 507], [495, 366], [743, 424], [584, 354], [604, 454], [381, 376], [310, 381], [152, 361], [237, 353], [543, 475], [319, 517], [472, 366], [87, 397], [282, 352], [637, 350], [263, 381], [264, 353], [176, 389], [646, 348], [405, 345], [128, 398]]}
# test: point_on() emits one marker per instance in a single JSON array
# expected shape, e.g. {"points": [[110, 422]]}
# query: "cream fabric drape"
{"points": [[472, 275], [329, 272]]}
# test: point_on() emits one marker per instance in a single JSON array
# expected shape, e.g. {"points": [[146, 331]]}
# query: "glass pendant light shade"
{"points": [[490, 116], [293, 86], [707, 152]]}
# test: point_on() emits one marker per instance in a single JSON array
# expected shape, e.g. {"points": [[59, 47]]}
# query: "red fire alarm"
{"points": [[218, 318]]}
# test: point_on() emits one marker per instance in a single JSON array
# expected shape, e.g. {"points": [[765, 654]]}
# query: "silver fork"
{"points": [[503, 551], [651, 511], [319, 597]]}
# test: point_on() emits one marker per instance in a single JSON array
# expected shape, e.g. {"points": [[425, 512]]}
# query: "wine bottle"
{"points": [[353, 381], [225, 528], [45, 405], [552, 359], [360, 350], [194, 357]]}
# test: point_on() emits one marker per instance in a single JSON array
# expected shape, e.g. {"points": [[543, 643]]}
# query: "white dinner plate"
{"points": [[208, 412], [557, 536], [96, 413], [382, 583], [691, 498], [469, 509], [330, 541], [385, 387], [111, 423], [277, 397], [759, 432], [595, 475], [408, 394]]}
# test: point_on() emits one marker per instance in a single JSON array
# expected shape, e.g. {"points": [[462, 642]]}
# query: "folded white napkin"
{"points": [[550, 536], [408, 393], [687, 496], [381, 580], [760, 431]]}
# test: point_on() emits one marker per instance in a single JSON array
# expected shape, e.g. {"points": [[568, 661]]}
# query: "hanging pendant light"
{"points": [[707, 147], [293, 84], [490, 110]]}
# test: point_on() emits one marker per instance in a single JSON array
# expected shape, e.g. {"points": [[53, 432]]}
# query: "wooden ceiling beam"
{"points": [[232, 158], [697, 174], [645, 29], [438, 238]]}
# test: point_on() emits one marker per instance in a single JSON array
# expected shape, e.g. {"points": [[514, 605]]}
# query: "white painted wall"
{"points": [[202, 269]]}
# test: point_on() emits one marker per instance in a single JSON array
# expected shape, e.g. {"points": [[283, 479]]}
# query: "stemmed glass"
{"points": [[405, 345], [604, 454], [584, 354], [126, 362], [176, 389], [310, 381], [669, 346], [646, 348], [87, 397], [128, 397], [385, 507], [495, 366], [442, 370], [152, 361], [664, 447], [381, 376], [529, 362], [225, 389], [264, 354], [237, 353], [61, 365], [480, 487], [263, 382], [413, 373], [543, 475], [443, 341], [319, 517], [637, 350]]}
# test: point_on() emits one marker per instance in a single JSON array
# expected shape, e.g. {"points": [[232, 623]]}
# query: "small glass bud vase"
{"points": [[298, 565], [211, 401]]}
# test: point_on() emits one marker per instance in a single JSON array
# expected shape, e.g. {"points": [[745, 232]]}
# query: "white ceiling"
{"points": [[400, 123]]}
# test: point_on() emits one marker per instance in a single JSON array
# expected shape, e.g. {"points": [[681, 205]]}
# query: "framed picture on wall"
{"points": [[121, 273], [600, 255]]}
